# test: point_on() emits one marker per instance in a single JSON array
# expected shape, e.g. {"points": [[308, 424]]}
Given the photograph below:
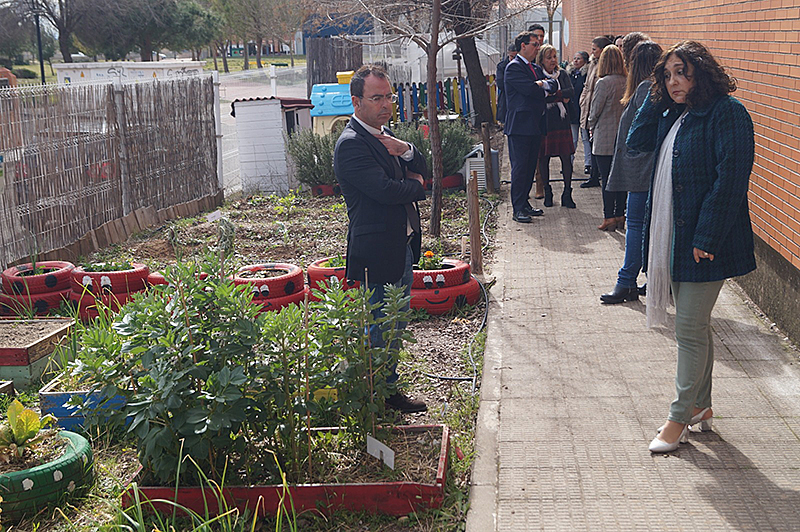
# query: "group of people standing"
{"points": [[671, 149]]}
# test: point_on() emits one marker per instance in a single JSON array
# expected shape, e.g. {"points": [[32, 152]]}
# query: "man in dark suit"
{"points": [[499, 81], [381, 180], [526, 87]]}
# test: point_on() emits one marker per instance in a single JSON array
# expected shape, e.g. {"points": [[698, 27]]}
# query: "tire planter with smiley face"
{"points": [[26, 492], [453, 273], [270, 304], [40, 304], [118, 282], [439, 301], [318, 273], [286, 284], [20, 279]]}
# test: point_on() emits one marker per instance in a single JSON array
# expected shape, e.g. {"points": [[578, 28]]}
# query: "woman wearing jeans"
{"points": [[697, 222], [631, 171]]}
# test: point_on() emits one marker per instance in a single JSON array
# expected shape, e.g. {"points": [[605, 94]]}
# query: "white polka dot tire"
{"points": [[290, 282], [117, 282], [439, 301], [27, 492]]}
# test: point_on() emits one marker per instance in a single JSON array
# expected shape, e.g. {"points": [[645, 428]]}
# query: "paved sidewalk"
{"points": [[573, 391]]}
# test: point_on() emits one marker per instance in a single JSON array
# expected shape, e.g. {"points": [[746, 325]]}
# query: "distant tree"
{"points": [[195, 27], [65, 16], [16, 32]]}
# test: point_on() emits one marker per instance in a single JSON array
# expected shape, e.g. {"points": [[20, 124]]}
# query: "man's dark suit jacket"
{"points": [[525, 100], [376, 192], [499, 80]]}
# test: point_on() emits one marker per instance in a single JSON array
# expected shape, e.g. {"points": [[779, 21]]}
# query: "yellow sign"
{"points": [[331, 394]]}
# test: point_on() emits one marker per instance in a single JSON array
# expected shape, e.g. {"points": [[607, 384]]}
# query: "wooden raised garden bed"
{"points": [[391, 498], [52, 400], [27, 346]]}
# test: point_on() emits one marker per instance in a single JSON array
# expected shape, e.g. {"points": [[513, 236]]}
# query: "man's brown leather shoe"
{"points": [[405, 404]]}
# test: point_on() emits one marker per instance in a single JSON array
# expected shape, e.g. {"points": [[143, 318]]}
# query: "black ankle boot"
{"points": [[620, 294], [548, 196], [566, 198]]}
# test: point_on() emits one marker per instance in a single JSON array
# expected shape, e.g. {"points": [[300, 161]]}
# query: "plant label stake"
{"points": [[214, 216], [380, 451]]}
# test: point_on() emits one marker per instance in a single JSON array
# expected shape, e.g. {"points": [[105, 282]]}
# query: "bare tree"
{"points": [[552, 7], [64, 15]]}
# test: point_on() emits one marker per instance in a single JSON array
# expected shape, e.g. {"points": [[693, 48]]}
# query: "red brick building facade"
{"points": [[759, 42]]}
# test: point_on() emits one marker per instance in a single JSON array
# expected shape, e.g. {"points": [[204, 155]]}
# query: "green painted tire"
{"points": [[27, 492]]}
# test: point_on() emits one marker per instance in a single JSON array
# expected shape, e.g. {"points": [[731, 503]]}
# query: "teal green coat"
{"points": [[711, 163]]}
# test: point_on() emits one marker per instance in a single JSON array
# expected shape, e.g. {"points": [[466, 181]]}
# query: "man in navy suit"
{"points": [[381, 180], [526, 87]]}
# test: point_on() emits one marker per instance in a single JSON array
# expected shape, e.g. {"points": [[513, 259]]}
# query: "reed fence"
{"points": [[75, 157]]}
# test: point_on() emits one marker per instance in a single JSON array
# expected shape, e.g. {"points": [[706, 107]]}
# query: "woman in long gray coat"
{"points": [[631, 171], [604, 116]]}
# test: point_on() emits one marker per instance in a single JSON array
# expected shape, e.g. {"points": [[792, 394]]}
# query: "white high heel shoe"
{"points": [[661, 446], [705, 424]]}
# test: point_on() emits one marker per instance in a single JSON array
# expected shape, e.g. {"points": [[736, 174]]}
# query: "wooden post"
{"points": [[487, 158], [474, 211]]}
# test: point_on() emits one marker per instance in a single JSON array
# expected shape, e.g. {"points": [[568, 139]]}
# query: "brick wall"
{"points": [[759, 42]]}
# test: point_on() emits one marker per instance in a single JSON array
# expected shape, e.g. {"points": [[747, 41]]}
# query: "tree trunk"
{"points": [[146, 50], [246, 55], [259, 44], [214, 51], [481, 103], [63, 45], [225, 46], [435, 226]]}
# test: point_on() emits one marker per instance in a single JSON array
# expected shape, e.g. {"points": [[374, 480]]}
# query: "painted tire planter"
{"points": [[389, 498], [117, 282], [318, 273], [441, 300], [452, 181], [87, 303], [13, 304], [454, 273], [28, 491], [155, 278], [55, 402], [286, 284], [325, 190], [57, 279], [277, 303]]}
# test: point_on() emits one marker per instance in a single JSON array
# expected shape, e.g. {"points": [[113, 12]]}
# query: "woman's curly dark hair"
{"points": [[710, 79]]}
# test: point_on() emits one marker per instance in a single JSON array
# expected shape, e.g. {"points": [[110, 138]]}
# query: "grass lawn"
{"points": [[236, 64], [49, 75]]}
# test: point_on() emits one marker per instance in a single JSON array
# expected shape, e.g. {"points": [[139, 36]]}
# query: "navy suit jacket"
{"points": [[376, 192], [525, 100]]}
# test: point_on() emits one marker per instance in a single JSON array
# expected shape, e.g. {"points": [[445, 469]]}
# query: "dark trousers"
{"points": [[613, 202], [523, 152]]}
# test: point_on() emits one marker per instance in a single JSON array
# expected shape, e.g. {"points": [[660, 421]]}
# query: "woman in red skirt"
{"points": [[558, 141]]}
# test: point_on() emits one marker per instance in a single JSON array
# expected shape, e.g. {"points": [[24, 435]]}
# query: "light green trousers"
{"points": [[693, 305]]}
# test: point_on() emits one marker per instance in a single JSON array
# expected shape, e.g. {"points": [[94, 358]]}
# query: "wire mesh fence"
{"points": [[73, 157]]}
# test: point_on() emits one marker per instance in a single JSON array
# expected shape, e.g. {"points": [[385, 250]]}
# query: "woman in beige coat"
{"points": [[585, 102], [604, 114]]}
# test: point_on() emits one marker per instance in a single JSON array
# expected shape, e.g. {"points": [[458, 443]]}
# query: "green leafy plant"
{"points": [[312, 155], [112, 266], [457, 142], [335, 262], [21, 430], [430, 261]]}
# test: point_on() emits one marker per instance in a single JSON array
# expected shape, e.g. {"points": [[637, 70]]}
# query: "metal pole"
{"points": [[218, 130], [39, 42]]}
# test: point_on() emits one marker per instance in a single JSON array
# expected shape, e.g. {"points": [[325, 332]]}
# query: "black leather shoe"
{"points": [[530, 211], [587, 170], [548, 196], [404, 404], [590, 183], [522, 217], [643, 290], [620, 294]]}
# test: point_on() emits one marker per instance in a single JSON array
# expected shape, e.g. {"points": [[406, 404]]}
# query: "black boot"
{"points": [[620, 294], [591, 183], [548, 196], [566, 198]]}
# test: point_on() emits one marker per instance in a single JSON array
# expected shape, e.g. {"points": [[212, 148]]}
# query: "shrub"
{"points": [[313, 157], [24, 73], [457, 142]]}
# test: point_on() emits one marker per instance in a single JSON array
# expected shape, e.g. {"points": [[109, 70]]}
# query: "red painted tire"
{"points": [[156, 278], [57, 280], [318, 273], [274, 287], [276, 303], [442, 300], [120, 282], [458, 273], [452, 181], [11, 304], [87, 303]]}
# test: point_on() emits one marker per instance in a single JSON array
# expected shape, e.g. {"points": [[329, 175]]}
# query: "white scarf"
{"points": [[561, 109], [659, 262]]}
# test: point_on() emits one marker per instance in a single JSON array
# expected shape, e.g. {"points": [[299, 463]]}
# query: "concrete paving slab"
{"points": [[574, 390]]}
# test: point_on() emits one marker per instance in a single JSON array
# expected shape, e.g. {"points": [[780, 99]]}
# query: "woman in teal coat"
{"points": [[697, 222]]}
